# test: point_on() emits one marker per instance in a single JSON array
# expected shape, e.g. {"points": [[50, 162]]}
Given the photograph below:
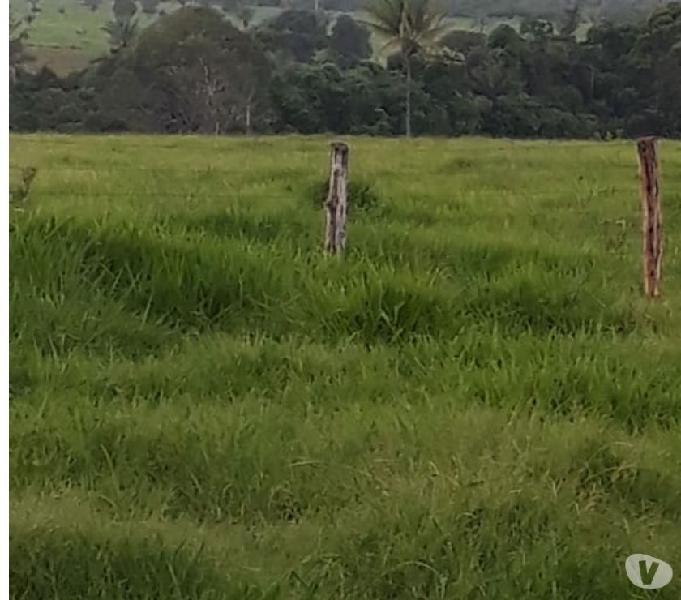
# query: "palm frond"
{"points": [[385, 16], [410, 24]]}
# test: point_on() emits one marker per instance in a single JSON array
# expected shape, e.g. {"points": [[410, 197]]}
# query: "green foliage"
{"points": [[410, 28], [191, 71], [205, 406], [298, 34], [463, 41], [537, 30], [65, 34], [349, 42], [194, 71], [506, 38], [124, 9], [362, 196], [323, 97]]}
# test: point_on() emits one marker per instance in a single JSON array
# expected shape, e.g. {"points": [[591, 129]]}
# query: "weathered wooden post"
{"points": [[652, 215], [337, 199]]}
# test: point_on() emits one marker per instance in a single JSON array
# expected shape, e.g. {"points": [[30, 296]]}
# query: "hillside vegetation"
{"points": [[195, 71], [476, 402], [67, 34]]}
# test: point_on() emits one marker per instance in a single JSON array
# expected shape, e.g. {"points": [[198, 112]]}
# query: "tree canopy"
{"points": [[196, 71]]}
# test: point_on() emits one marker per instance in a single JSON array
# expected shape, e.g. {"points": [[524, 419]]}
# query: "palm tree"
{"points": [[409, 27]]}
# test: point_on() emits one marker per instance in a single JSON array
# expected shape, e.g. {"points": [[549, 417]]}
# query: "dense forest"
{"points": [[196, 71]]}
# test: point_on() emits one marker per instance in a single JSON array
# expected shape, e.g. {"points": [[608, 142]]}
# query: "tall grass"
{"points": [[475, 403]]}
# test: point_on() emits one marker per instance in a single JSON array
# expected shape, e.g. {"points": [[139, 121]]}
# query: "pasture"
{"points": [[475, 402]]}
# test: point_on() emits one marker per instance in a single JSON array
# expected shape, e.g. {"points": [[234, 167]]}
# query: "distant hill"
{"points": [[555, 9], [67, 34]]}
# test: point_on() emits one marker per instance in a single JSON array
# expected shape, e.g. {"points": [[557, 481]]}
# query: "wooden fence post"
{"points": [[652, 215], [337, 199]]}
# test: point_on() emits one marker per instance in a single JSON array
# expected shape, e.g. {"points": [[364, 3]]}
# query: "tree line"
{"points": [[480, 10], [195, 71]]}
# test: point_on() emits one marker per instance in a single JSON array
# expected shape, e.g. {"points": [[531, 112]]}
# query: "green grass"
{"points": [[475, 403]]}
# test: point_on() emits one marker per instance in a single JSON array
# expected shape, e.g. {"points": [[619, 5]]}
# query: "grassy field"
{"points": [[66, 35], [475, 403]]}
